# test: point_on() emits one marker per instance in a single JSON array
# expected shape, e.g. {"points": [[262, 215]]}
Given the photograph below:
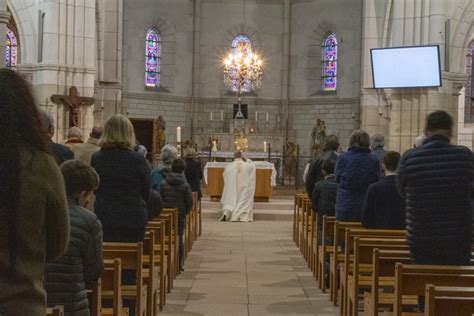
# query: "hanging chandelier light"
{"points": [[243, 67]]}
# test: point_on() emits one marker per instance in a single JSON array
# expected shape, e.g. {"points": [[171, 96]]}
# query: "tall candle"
{"points": [[222, 115], [264, 146], [266, 117], [178, 134], [256, 116], [211, 116]]}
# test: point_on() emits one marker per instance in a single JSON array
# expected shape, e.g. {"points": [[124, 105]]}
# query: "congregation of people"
{"points": [[60, 202]]}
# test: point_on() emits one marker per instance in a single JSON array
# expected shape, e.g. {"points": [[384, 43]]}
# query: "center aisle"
{"points": [[246, 269]]}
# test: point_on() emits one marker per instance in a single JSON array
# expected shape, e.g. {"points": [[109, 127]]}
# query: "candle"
{"points": [[222, 115], [211, 116], [256, 116], [278, 118], [264, 146], [178, 134], [266, 117]]}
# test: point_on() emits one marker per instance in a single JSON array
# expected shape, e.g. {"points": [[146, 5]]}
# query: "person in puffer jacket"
{"points": [[66, 277], [355, 171], [176, 193], [435, 181]]}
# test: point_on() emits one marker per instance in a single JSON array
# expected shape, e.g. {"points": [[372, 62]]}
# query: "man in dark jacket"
{"points": [[383, 207], [435, 181], [193, 172], [324, 194], [60, 152], [66, 277], [176, 193], [314, 173]]}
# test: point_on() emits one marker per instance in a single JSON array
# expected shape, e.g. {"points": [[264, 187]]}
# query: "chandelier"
{"points": [[243, 67]]}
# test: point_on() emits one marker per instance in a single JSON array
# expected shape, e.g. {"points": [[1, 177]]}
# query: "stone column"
{"points": [[285, 71], [196, 109], [4, 18]]}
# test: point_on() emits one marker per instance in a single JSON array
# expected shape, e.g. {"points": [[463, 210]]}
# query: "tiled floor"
{"points": [[246, 269]]}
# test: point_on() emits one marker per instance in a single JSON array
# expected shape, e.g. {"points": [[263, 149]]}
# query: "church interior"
{"points": [[276, 80]]}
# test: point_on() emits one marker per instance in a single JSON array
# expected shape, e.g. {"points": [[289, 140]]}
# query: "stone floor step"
{"points": [[284, 205]]}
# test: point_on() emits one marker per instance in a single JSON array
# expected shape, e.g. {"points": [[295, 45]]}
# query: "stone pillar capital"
{"points": [[4, 17]]}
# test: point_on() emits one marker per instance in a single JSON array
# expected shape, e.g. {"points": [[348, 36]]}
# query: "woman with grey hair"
{"points": [[168, 154], [355, 171], [377, 142]]}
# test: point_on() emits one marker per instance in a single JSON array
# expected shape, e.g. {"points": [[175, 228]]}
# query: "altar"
{"points": [[265, 178]]}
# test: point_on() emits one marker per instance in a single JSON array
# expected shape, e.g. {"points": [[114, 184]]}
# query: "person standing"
{"points": [[356, 170], [377, 144], [33, 208], [383, 207], [74, 136], [84, 151], [60, 152], [168, 154], [124, 183], [193, 172], [239, 190], [435, 182]]}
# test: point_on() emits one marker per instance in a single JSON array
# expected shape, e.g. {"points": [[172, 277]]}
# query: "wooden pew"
{"points": [[359, 275], [325, 249], [156, 231], [412, 279], [306, 230], [111, 282], [131, 255], [446, 301], [171, 238], [167, 219], [383, 279], [298, 217], [55, 311], [350, 235], [337, 257], [199, 212]]}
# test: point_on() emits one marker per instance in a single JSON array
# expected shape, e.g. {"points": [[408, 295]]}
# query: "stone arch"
{"points": [[26, 30], [237, 29]]}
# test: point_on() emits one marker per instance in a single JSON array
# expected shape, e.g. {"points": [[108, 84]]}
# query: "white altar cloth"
{"points": [[258, 164]]}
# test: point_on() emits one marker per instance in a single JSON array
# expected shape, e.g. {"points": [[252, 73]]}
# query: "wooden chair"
{"points": [[337, 257], [412, 280], [172, 238], [446, 301], [111, 284], [325, 249], [359, 274], [383, 279], [351, 234], [297, 217], [131, 255], [55, 311], [169, 245], [158, 260]]}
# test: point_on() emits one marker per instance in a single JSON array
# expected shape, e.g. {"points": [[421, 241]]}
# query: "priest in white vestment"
{"points": [[239, 190]]}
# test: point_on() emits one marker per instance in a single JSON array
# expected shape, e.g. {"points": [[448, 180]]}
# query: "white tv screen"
{"points": [[406, 67]]}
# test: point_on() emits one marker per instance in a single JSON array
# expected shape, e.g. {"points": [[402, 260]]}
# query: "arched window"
{"points": [[469, 101], [11, 53], [329, 63], [152, 58], [241, 39]]}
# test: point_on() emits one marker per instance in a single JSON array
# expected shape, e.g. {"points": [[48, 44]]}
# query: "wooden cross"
{"points": [[73, 102]]}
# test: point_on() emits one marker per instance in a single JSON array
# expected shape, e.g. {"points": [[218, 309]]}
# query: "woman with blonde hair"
{"points": [[124, 185]]}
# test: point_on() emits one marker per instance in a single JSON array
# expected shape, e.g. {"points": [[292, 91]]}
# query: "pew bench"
{"points": [[446, 301]]}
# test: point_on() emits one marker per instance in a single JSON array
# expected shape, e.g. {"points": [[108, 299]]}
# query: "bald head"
{"points": [[96, 132], [238, 154]]}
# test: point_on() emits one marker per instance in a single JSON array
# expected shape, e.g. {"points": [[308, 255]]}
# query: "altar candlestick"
{"points": [[211, 116], [256, 116], [264, 146], [266, 117], [222, 115], [178, 134]]}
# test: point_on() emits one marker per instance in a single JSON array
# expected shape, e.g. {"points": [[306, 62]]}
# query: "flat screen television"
{"points": [[406, 67]]}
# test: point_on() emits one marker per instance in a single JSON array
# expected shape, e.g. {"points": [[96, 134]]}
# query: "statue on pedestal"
{"points": [[318, 136], [160, 133]]}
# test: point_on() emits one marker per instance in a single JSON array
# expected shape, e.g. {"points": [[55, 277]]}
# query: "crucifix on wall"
{"points": [[73, 103]]}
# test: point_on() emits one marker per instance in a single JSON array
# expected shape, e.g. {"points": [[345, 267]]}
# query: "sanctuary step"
{"points": [[278, 209]]}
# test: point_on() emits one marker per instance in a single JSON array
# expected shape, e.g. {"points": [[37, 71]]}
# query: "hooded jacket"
{"points": [[176, 193]]}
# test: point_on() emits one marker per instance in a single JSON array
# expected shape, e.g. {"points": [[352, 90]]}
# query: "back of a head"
{"points": [[190, 153], [141, 150], [96, 131], [377, 140], [439, 122], [168, 154], [78, 177], [332, 143], [178, 165], [74, 132], [328, 166], [238, 154], [118, 132], [360, 138], [390, 160]]}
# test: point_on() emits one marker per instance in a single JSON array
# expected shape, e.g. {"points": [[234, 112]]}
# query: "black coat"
{"points": [[323, 198], [123, 190], [194, 175], [176, 193], [60, 152], [315, 169], [383, 207], [66, 276], [435, 180]]}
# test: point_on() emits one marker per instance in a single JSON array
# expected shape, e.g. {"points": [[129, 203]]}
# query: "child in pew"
{"points": [[67, 276], [176, 193]]}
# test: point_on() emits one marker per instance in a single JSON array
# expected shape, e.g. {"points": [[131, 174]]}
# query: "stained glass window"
{"points": [[469, 101], [241, 39], [11, 53], [329, 63], [152, 58]]}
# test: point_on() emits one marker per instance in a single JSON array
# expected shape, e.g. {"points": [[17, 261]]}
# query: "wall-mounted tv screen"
{"points": [[406, 67]]}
